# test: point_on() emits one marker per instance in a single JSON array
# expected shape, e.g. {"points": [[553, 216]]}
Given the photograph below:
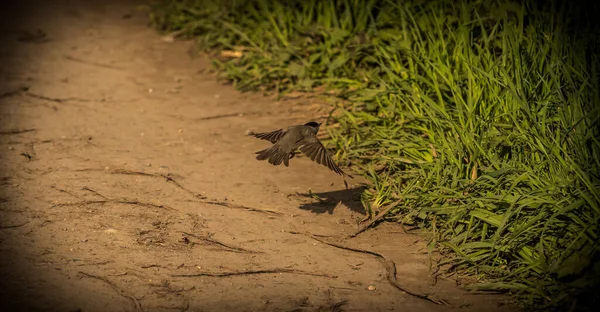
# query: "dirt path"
{"points": [[94, 118]]}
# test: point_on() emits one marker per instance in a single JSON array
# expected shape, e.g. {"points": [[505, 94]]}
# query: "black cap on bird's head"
{"points": [[313, 124]]}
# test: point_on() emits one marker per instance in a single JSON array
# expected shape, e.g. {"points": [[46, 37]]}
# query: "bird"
{"points": [[299, 137]]}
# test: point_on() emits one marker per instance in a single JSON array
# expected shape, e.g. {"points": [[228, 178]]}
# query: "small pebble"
{"points": [[168, 38], [371, 287]]}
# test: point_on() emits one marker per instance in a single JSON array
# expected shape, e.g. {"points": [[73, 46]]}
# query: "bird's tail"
{"points": [[274, 155]]}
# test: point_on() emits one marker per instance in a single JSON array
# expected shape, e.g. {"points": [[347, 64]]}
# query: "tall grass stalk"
{"points": [[481, 116]]}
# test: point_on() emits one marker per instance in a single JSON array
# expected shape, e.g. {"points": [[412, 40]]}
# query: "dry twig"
{"points": [[85, 188], [161, 176], [115, 201], [390, 268], [2, 227], [137, 304], [377, 218], [218, 243], [16, 131]]}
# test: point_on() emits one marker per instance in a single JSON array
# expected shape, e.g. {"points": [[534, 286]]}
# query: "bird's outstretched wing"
{"points": [[272, 137], [314, 149]]}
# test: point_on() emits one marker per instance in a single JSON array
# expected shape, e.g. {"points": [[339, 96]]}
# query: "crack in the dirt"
{"points": [[389, 265], [71, 58], [253, 272], [121, 292], [223, 245]]}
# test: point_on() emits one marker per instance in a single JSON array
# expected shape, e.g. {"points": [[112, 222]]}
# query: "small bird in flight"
{"points": [[287, 141]]}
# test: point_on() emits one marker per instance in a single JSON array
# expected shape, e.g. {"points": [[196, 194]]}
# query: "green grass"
{"points": [[481, 117]]}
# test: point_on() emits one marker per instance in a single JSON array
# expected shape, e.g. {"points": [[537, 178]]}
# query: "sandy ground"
{"points": [[127, 184]]}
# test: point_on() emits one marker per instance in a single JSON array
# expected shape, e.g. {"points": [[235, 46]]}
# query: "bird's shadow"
{"points": [[327, 201]]}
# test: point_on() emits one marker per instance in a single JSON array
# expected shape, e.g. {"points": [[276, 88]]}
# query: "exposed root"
{"points": [[137, 304], [218, 243], [255, 272], [115, 201], [390, 268], [377, 218], [16, 131]]}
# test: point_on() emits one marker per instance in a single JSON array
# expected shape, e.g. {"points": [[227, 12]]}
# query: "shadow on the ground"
{"points": [[327, 201]]}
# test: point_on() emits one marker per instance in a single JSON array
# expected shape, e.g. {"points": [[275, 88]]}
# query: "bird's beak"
{"points": [[320, 124]]}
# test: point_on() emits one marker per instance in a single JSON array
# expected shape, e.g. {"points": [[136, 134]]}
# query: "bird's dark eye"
{"points": [[311, 124]]}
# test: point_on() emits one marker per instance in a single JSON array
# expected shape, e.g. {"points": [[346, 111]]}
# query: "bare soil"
{"points": [[127, 184]]}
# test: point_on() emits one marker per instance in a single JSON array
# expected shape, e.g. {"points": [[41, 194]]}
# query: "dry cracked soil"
{"points": [[128, 184]]}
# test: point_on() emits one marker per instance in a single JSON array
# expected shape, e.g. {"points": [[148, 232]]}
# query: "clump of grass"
{"points": [[482, 118]]}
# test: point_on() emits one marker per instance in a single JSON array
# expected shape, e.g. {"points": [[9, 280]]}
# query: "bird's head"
{"points": [[313, 124]]}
